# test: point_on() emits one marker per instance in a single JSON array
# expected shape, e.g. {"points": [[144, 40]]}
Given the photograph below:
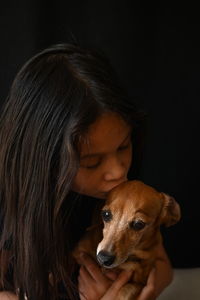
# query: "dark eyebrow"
{"points": [[99, 154]]}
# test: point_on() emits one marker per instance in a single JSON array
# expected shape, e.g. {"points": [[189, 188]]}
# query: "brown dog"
{"points": [[132, 216]]}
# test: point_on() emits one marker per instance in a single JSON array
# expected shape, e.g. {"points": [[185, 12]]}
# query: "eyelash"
{"points": [[121, 148], [94, 166], [124, 147]]}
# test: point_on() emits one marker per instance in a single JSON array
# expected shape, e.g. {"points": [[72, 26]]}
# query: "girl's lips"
{"points": [[103, 195], [106, 192]]}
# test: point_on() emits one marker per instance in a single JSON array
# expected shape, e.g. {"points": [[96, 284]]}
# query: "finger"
{"points": [[148, 292], [123, 278], [82, 297], [92, 267], [87, 283], [89, 289], [111, 275], [152, 278], [85, 275], [81, 285], [84, 282]]}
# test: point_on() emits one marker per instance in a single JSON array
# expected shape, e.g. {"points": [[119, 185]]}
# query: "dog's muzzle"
{"points": [[105, 258]]}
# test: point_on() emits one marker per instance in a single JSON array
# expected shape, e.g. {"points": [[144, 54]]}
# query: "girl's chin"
{"points": [[100, 195]]}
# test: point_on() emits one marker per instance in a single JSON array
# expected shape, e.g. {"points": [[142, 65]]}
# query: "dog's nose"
{"points": [[105, 258]]}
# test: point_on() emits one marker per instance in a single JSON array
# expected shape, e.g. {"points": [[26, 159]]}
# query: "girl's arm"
{"points": [[159, 278]]}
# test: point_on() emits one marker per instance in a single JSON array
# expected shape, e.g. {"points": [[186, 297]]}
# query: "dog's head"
{"points": [[132, 217]]}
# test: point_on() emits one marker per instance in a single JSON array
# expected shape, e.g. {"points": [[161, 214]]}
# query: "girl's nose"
{"points": [[115, 169]]}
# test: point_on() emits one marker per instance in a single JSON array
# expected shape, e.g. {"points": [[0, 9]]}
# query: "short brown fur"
{"points": [[133, 249]]}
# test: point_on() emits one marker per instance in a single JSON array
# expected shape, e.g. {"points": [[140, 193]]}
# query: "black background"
{"points": [[155, 50]]}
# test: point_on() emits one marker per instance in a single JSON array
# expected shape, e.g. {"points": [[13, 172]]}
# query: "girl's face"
{"points": [[105, 156]]}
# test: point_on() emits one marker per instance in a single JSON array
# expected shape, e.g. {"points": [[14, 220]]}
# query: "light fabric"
{"points": [[185, 285]]}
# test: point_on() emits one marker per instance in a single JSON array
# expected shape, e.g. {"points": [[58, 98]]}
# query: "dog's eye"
{"points": [[137, 225], [106, 215]]}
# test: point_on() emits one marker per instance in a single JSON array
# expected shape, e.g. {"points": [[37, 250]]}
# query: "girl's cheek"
{"points": [[84, 178], [130, 156], [127, 157]]}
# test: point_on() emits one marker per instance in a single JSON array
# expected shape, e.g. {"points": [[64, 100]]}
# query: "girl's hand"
{"points": [[149, 291], [94, 285], [159, 278]]}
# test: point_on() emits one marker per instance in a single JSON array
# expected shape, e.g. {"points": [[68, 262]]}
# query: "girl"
{"points": [[66, 135]]}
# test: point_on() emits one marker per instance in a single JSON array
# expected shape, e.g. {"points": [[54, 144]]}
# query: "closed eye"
{"points": [[121, 148], [126, 144], [91, 162], [93, 166]]}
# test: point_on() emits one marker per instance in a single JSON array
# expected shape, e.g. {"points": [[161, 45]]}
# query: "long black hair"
{"points": [[53, 100]]}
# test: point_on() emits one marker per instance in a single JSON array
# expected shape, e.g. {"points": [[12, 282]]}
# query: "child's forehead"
{"points": [[107, 131]]}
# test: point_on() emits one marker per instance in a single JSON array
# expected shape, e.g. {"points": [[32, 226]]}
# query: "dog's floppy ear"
{"points": [[171, 212]]}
